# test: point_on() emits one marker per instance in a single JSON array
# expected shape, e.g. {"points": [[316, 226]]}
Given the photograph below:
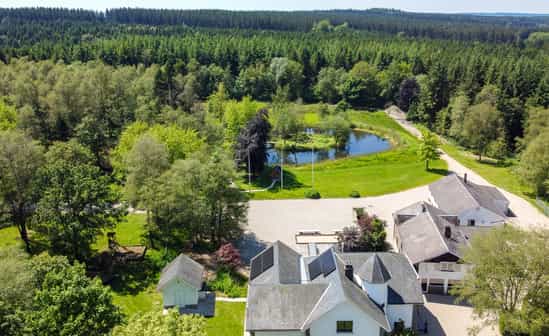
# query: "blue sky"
{"points": [[530, 6]]}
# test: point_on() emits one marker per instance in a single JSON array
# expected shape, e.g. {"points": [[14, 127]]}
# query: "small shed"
{"points": [[181, 285]]}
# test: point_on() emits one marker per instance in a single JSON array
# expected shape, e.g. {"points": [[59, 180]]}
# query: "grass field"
{"points": [[376, 174]]}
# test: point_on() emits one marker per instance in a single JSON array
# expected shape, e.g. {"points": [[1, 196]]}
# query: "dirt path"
{"points": [[527, 216]]}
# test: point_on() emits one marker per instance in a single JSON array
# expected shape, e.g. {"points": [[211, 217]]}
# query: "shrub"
{"points": [[228, 256], [229, 284], [355, 194], [312, 194]]}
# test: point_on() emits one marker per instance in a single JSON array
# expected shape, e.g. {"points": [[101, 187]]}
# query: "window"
{"points": [[471, 222], [344, 326], [446, 266], [308, 332]]}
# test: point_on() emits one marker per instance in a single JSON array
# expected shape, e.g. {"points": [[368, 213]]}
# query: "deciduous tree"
{"points": [[509, 279], [67, 302], [20, 159], [158, 324], [77, 201], [428, 148]]}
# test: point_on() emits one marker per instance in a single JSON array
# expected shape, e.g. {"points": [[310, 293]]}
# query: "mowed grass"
{"points": [[228, 319], [9, 236], [140, 302], [375, 174], [128, 232]]}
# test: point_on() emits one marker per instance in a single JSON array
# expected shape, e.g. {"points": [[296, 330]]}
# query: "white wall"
{"points": [[482, 217], [378, 292], [362, 323], [403, 312], [179, 293], [279, 333]]}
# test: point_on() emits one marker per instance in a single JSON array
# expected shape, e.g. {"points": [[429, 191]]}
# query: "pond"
{"points": [[358, 143]]}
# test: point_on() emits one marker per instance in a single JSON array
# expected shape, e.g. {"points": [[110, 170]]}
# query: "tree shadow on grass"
{"points": [[266, 178], [439, 171], [135, 277]]}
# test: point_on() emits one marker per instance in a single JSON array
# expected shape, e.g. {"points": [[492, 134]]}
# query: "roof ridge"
{"points": [[463, 184], [441, 236], [315, 307]]}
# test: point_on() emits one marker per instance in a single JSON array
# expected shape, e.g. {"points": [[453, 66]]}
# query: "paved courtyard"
{"points": [[282, 219]]}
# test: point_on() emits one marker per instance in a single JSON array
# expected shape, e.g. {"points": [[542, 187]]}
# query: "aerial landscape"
{"points": [[229, 168]]}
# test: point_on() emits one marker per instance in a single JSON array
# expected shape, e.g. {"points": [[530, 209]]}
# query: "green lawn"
{"points": [[140, 302], [376, 174], [129, 232], [9, 236], [228, 319], [502, 176]]}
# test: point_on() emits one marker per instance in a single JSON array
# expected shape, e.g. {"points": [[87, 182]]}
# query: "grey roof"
{"points": [[374, 271], [453, 195], [423, 236], [281, 307], [341, 290], [403, 285], [293, 302], [183, 268], [285, 269]]}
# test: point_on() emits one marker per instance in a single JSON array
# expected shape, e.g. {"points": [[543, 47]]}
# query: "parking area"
{"points": [[444, 317], [282, 219]]}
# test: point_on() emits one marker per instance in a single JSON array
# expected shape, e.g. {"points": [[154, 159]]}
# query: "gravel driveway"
{"points": [[527, 216]]}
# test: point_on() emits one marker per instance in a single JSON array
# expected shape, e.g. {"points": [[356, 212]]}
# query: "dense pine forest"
{"points": [[160, 109]]}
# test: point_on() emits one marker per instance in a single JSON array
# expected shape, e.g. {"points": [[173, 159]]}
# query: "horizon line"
{"points": [[103, 10]]}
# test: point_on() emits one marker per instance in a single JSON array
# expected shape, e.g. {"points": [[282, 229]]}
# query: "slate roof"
{"points": [[423, 236], [453, 195], [285, 269], [183, 268], [278, 301], [374, 271], [341, 290], [403, 285], [281, 307]]}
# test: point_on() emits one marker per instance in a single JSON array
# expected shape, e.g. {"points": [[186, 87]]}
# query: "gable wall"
{"points": [[362, 323], [179, 293], [278, 333], [482, 216], [403, 312]]}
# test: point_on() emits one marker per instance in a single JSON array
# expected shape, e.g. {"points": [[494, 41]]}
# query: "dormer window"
{"points": [[344, 326]]}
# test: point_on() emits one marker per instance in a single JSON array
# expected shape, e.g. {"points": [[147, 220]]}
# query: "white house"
{"points": [[433, 242], [432, 234], [330, 294], [181, 284], [473, 204]]}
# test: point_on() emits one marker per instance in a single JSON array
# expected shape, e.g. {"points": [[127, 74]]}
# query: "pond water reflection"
{"points": [[358, 143]]}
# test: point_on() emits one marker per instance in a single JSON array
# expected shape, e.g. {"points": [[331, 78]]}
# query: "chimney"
{"points": [[349, 272], [465, 178], [448, 232]]}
